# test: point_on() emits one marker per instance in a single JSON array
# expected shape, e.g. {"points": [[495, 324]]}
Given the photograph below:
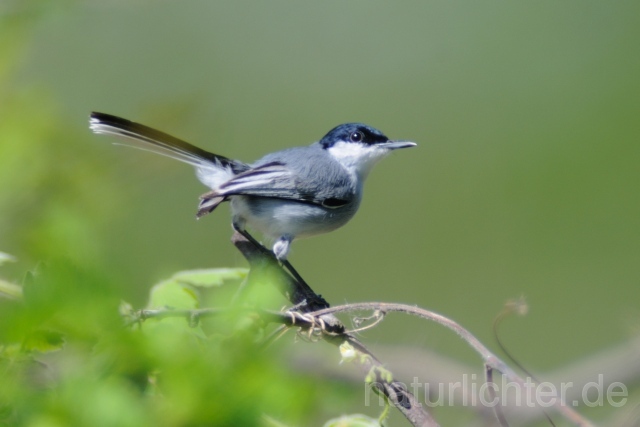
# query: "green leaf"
{"points": [[212, 277], [43, 341], [172, 294]]}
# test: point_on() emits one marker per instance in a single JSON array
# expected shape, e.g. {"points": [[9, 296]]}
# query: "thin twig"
{"points": [[489, 359], [492, 394]]}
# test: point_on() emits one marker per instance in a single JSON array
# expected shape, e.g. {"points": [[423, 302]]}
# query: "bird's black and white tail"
{"points": [[212, 169], [146, 138]]}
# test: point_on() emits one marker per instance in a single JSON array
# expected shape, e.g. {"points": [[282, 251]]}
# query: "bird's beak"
{"points": [[394, 145]]}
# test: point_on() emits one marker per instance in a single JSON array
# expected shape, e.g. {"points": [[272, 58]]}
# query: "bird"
{"points": [[286, 195]]}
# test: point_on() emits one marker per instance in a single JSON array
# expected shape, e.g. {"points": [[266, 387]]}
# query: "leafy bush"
{"points": [[70, 355]]}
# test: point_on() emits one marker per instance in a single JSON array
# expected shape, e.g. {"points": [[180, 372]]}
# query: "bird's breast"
{"points": [[278, 217]]}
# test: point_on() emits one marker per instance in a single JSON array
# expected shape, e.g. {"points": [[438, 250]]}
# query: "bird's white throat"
{"points": [[357, 159]]}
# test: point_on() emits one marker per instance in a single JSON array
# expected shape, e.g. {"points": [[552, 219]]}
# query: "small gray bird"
{"points": [[289, 194]]}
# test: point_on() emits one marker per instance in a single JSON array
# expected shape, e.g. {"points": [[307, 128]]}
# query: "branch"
{"points": [[313, 314], [314, 324], [333, 331], [491, 361], [265, 263]]}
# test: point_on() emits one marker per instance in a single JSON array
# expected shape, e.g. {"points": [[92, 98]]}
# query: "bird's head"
{"points": [[358, 146]]}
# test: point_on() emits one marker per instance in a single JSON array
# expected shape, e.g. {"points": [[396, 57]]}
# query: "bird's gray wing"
{"points": [[274, 180]]}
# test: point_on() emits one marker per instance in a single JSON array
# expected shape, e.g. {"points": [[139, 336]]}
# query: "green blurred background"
{"points": [[525, 181]]}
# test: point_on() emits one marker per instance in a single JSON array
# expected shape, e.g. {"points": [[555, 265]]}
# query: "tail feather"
{"points": [[212, 169], [208, 202], [149, 139]]}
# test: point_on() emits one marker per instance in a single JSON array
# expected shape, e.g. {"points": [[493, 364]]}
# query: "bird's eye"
{"points": [[356, 136]]}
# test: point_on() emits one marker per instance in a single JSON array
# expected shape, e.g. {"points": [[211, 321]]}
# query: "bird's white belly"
{"points": [[276, 218]]}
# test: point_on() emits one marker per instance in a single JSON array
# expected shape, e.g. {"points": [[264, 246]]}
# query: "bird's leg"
{"points": [[281, 249], [293, 271], [312, 301], [250, 238]]}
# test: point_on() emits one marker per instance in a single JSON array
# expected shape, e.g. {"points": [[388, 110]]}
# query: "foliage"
{"points": [[67, 358]]}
